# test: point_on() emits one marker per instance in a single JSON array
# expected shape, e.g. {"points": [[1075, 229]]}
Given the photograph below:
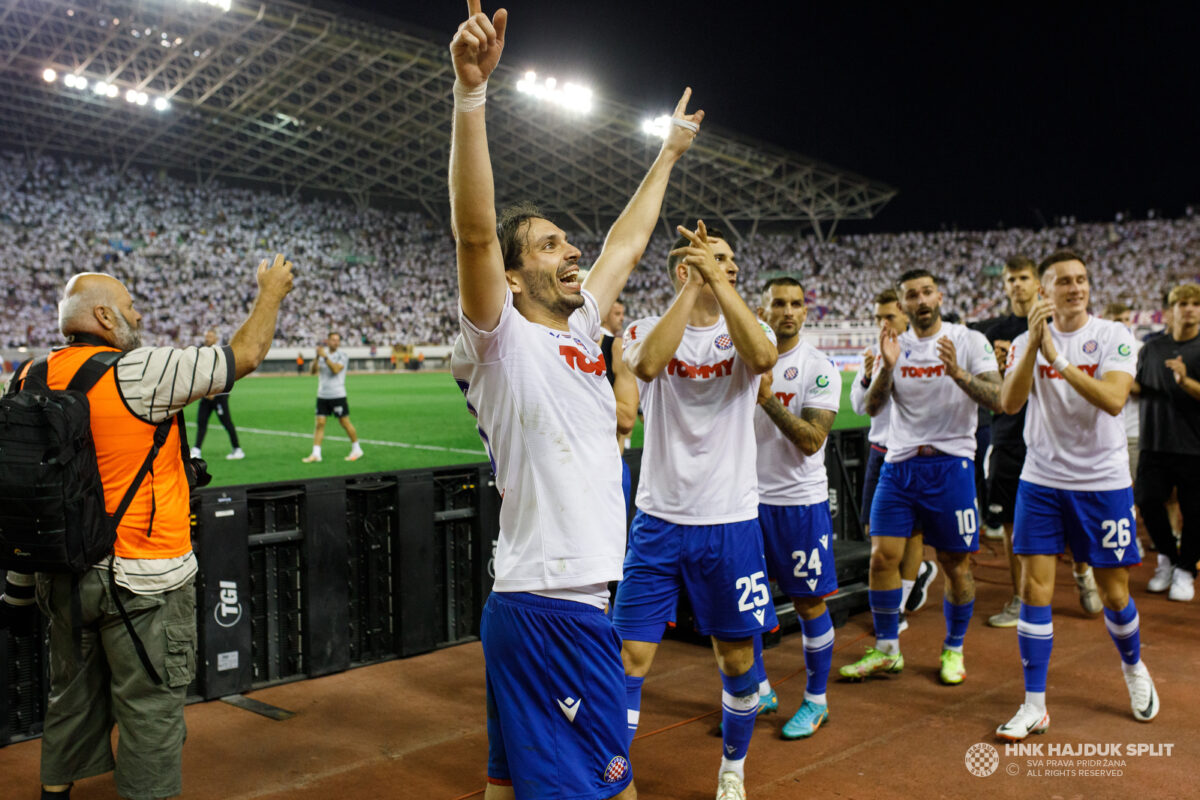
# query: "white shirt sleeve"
{"points": [[981, 356], [858, 393], [1121, 352], [156, 382], [487, 347], [825, 391]]}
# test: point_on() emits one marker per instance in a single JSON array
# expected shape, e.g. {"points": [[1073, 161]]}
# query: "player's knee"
{"points": [[809, 607], [636, 658], [734, 658], [883, 561]]}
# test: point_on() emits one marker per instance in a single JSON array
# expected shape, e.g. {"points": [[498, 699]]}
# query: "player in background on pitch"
{"points": [[697, 521], [330, 368], [797, 404], [916, 574], [1075, 372], [218, 404], [935, 374], [528, 362]]}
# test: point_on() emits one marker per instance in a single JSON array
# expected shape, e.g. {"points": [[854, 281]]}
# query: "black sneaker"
{"points": [[920, 590]]}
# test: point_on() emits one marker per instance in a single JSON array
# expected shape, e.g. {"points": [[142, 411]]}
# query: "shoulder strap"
{"points": [[36, 369], [161, 432], [93, 370]]}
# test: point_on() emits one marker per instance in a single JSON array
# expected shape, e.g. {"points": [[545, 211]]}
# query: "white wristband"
{"points": [[1060, 363], [469, 99], [685, 123]]}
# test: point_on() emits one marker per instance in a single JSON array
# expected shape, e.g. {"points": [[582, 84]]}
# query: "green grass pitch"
{"points": [[405, 421]]}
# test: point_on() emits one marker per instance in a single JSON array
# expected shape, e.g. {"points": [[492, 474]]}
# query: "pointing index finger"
{"points": [[473, 8], [681, 106]]}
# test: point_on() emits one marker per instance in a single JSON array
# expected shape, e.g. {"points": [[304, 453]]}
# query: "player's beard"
{"points": [[544, 289], [924, 324], [125, 335]]}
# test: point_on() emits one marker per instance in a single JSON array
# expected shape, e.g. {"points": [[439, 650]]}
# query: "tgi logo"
{"points": [[228, 610]]}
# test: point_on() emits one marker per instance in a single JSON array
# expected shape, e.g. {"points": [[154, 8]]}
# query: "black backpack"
{"points": [[52, 513]]}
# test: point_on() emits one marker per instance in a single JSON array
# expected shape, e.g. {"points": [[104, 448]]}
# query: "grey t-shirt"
{"points": [[330, 386]]}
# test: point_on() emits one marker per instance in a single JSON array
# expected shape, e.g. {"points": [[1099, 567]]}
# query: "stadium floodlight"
{"points": [[142, 98], [49, 75], [100, 88], [657, 126], [571, 96], [224, 5], [74, 81], [112, 91], [161, 104], [131, 95]]}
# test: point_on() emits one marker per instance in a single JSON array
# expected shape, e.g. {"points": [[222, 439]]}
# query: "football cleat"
{"points": [[873, 661], [953, 672], [1026, 721], [804, 723]]}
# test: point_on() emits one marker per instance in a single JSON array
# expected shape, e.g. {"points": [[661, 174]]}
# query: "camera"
{"points": [[197, 472]]}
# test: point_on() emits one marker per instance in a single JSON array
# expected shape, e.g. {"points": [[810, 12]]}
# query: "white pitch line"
{"points": [[409, 445]]}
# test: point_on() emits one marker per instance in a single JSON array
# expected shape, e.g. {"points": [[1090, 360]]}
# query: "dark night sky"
{"points": [[978, 113]]}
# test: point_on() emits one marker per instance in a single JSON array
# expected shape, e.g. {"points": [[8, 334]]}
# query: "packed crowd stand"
{"points": [[384, 277]]}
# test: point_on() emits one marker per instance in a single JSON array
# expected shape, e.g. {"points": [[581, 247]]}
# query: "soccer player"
{"points": [[1075, 372], [697, 521], [797, 403], [220, 404], [935, 374], [1168, 368], [915, 573], [532, 373], [330, 368]]}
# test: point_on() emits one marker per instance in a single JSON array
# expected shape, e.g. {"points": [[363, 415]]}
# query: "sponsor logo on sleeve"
{"points": [[1124, 350], [822, 381]]}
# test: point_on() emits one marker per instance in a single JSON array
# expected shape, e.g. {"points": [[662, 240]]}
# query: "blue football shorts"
{"points": [[556, 715], [933, 493], [721, 567], [798, 542], [1098, 527]]}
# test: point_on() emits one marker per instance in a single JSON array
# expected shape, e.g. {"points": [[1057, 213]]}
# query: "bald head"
{"points": [[100, 305]]}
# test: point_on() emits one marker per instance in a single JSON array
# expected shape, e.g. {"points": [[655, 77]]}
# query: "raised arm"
{"points": [[475, 51], [1189, 385], [647, 357], [624, 389], [880, 390], [629, 234], [807, 431], [749, 338], [858, 390], [252, 341]]}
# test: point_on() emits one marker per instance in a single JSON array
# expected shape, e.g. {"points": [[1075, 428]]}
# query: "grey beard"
{"points": [[127, 337]]}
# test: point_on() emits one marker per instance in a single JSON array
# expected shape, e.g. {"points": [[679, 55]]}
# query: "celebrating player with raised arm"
{"points": [[928, 472], [1075, 371], [528, 362], [697, 519]]}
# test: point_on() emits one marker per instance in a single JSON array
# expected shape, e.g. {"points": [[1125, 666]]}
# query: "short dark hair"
{"points": [[913, 274], [887, 296], [1058, 257], [783, 280], [1115, 310], [683, 241], [1019, 263], [512, 229]]}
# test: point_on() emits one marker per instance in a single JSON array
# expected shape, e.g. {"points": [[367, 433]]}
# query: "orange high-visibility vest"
{"points": [[157, 522]]}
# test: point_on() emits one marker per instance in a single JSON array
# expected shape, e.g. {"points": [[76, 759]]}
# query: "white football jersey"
{"points": [[698, 458], [330, 386], [881, 423], [928, 407], [1071, 443], [1131, 414], [802, 378], [549, 421]]}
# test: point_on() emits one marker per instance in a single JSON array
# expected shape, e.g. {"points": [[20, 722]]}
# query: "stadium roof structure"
{"points": [[308, 99]]}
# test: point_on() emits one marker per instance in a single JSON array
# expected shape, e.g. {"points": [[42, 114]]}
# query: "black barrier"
{"points": [[306, 578]]}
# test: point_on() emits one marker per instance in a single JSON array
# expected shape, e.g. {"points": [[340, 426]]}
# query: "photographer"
{"points": [[133, 667]]}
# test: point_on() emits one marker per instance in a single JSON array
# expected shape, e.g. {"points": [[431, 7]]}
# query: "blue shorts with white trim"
{"points": [[933, 493], [1098, 527], [798, 541], [556, 715]]}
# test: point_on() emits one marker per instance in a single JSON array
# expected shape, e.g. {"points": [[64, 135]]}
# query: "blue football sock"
{"points": [[958, 618], [633, 705], [1125, 629], [885, 612], [818, 655], [760, 669], [739, 707], [1035, 639]]}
